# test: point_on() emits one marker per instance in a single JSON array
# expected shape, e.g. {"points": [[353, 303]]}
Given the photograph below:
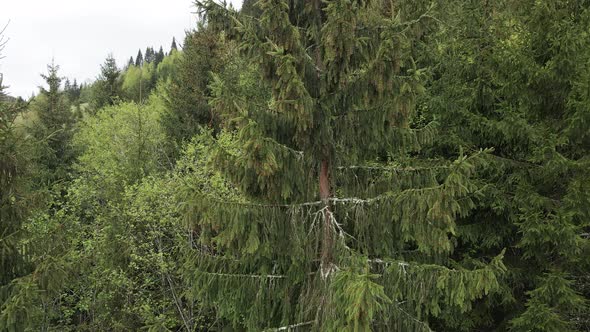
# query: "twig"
{"points": [[257, 276], [289, 327]]}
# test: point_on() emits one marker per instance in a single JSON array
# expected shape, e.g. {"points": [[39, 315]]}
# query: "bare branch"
{"points": [[3, 40], [290, 327]]}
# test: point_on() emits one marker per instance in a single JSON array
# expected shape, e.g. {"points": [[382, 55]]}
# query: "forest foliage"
{"points": [[323, 165]]}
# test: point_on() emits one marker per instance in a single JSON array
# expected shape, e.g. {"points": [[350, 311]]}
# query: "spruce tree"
{"points": [[55, 127], [67, 85], [139, 59], [131, 62], [150, 55], [344, 224], [517, 86], [204, 53], [249, 8], [159, 56], [72, 90], [15, 166], [173, 47], [108, 85]]}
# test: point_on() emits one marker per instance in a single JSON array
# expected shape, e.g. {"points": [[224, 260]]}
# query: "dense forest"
{"points": [[321, 165]]}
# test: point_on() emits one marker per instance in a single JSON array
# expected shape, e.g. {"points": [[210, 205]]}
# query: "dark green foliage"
{"points": [[511, 80], [150, 55], [15, 167], [204, 53], [342, 86], [54, 128], [73, 91], [322, 165], [159, 56], [249, 8], [18, 152], [173, 46], [107, 88], [139, 59]]}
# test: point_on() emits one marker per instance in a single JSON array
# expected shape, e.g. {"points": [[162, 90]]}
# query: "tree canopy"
{"points": [[322, 165]]}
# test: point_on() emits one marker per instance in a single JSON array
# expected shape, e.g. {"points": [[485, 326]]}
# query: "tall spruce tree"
{"points": [[108, 85], [15, 166], [55, 127], [150, 55], [159, 56], [204, 53], [139, 59], [173, 47], [512, 79], [345, 225]]}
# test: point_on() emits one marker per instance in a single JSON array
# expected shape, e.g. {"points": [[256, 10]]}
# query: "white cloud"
{"points": [[80, 34]]}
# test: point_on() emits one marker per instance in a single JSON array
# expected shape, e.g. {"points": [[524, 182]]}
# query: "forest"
{"points": [[321, 165]]}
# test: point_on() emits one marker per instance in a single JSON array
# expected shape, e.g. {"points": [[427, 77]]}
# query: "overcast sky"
{"points": [[80, 34]]}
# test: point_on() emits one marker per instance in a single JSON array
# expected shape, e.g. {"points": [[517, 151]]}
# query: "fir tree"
{"points": [[345, 225], [131, 62]]}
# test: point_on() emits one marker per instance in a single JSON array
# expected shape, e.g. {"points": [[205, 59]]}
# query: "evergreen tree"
{"points": [[344, 224], [173, 47], [131, 62], [67, 85], [150, 55], [72, 90], [139, 59], [204, 53], [159, 56], [55, 127], [108, 85], [249, 8], [15, 202], [513, 80]]}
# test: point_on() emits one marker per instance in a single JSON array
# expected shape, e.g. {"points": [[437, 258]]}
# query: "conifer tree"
{"points": [[249, 8], [159, 56], [67, 84], [517, 87], [15, 166], [345, 225], [56, 126], [173, 47], [139, 59], [108, 84], [149, 55], [72, 90], [204, 53], [131, 62]]}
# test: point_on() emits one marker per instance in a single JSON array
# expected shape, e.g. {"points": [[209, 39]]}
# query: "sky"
{"points": [[80, 34]]}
